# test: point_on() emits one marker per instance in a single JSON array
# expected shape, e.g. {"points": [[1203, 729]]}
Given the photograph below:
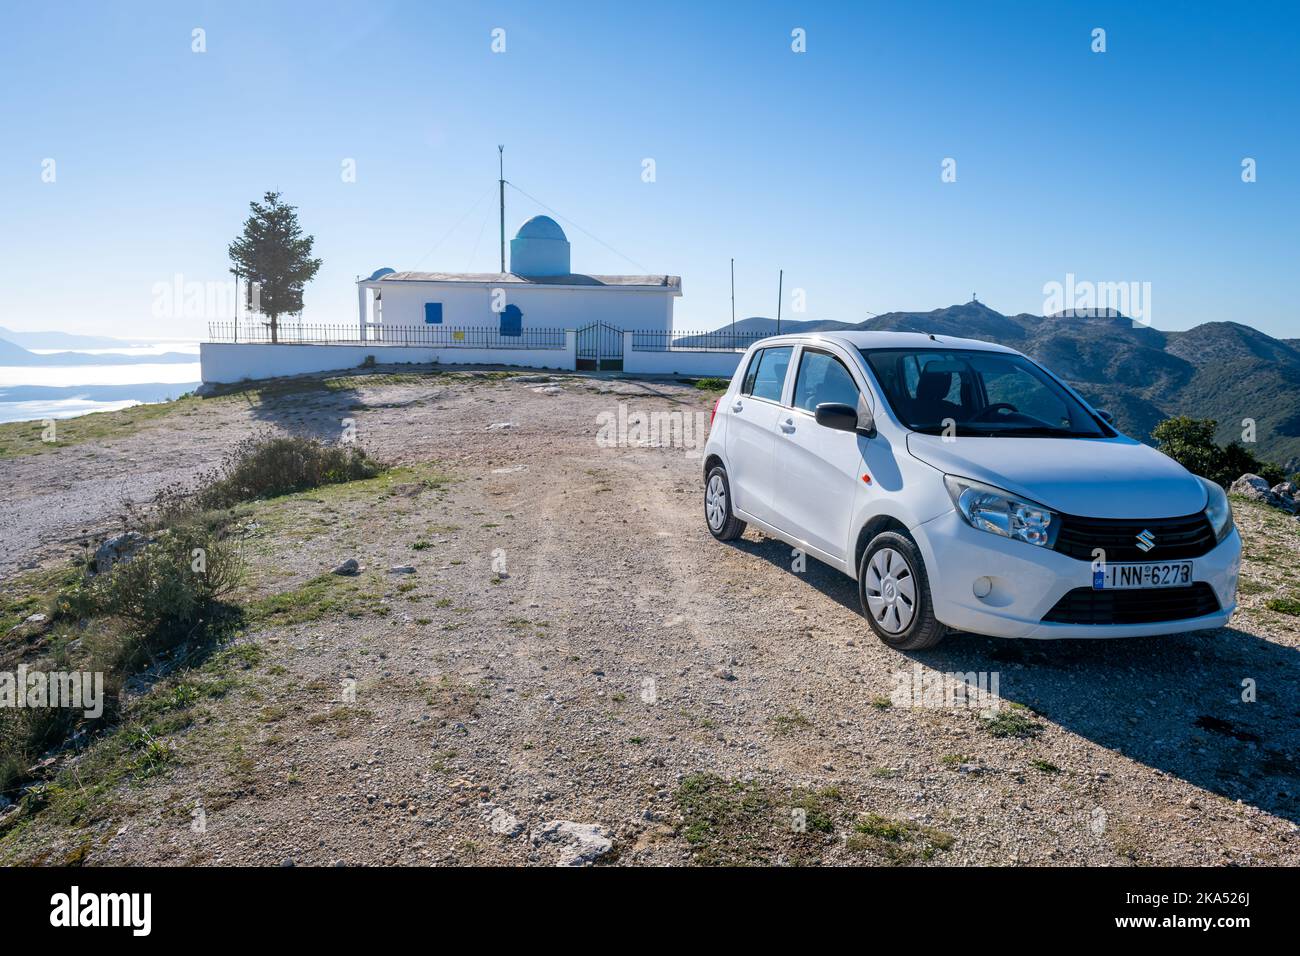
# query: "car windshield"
{"points": [[970, 392]]}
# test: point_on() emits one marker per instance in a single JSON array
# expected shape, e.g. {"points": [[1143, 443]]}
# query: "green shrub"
{"points": [[1284, 605], [1190, 442], [169, 584], [712, 384], [262, 467]]}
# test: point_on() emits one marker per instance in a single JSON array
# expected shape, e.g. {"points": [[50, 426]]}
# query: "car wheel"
{"points": [[895, 593], [723, 525]]}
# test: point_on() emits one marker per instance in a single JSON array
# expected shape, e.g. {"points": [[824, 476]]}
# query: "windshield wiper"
{"points": [[1041, 431]]}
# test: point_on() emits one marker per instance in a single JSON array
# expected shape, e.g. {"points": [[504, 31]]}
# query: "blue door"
{"points": [[512, 322]]}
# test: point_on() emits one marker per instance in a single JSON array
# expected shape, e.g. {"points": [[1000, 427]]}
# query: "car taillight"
{"points": [[715, 409]]}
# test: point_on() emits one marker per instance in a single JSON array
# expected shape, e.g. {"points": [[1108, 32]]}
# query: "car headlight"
{"points": [[1217, 509], [1002, 513]]}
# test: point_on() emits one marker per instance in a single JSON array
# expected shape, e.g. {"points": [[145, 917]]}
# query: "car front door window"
{"points": [[823, 378]]}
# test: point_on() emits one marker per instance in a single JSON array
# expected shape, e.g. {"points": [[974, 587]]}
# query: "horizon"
{"points": [[289, 322], [826, 163]]}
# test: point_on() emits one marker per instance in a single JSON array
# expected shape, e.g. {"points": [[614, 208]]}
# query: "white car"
{"points": [[965, 487]]}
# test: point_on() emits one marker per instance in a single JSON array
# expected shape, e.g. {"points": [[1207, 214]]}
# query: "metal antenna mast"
{"points": [[501, 182], [780, 289], [733, 302]]}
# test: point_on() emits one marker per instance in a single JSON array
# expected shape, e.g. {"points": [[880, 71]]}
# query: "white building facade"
{"points": [[540, 292]]}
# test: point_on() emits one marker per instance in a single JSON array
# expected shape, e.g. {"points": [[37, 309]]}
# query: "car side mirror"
{"points": [[1110, 419], [845, 418]]}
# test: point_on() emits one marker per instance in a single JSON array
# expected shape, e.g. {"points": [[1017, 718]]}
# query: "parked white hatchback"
{"points": [[965, 487]]}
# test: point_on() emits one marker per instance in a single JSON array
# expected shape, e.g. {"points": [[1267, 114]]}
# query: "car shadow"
{"points": [[1219, 709]]}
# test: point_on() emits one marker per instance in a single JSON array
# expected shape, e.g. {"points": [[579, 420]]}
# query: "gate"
{"points": [[600, 348]]}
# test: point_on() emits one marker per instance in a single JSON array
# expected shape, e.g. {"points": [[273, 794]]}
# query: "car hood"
{"points": [[1090, 477]]}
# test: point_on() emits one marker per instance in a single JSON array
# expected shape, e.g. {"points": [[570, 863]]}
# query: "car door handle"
{"points": [[787, 426], [737, 407]]}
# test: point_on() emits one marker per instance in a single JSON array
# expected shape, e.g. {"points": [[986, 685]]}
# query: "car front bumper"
{"points": [[1028, 581]]}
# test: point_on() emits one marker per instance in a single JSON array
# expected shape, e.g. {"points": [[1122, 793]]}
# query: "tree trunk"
{"points": [[275, 328]]}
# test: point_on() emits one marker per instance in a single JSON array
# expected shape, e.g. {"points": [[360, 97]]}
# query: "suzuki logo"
{"points": [[1146, 541]]}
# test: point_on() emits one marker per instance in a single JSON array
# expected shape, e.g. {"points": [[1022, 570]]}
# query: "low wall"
{"points": [[680, 362], [228, 363]]}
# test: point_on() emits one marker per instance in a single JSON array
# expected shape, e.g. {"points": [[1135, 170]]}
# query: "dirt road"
{"points": [[573, 646]]}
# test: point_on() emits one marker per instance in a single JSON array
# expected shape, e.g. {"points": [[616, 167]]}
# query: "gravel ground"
{"points": [[574, 648]]}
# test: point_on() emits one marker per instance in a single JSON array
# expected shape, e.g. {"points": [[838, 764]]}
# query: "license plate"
{"points": [[1126, 577]]}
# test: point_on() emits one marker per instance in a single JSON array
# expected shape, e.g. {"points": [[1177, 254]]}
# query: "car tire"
{"points": [[723, 524], [894, 591]]}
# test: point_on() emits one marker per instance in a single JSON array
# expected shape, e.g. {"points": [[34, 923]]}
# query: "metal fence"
{"points": [[428, 336], [677, 341]]}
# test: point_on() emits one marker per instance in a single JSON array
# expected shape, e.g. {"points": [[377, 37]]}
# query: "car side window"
{"points": [[747, 386], [823, 378], [766, 375]]}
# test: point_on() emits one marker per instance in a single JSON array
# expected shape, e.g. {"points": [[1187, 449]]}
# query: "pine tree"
{"points": [[274, 254]]}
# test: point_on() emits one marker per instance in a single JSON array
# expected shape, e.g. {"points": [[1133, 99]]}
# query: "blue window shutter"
{"points": [[512, 322], [433, 313]]}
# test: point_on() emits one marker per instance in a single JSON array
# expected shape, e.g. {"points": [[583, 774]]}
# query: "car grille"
{"points": [[1145, 606], [1188, 537]]}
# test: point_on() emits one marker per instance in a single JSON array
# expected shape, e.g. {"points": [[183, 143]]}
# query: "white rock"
{"points": [[122, 547], [580, 843], [497, 426], [504, 822]]}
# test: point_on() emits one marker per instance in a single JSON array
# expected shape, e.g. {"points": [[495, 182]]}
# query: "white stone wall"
{"points": [[228, 363], [684, 362]]}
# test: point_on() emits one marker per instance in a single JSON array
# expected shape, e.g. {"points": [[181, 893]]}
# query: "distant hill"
{"points": [[61, 340], [1220, 370], [11, 354], [762, 325]]}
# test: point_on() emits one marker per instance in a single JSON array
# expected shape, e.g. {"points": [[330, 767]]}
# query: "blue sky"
{"points": [[1123, 166]]}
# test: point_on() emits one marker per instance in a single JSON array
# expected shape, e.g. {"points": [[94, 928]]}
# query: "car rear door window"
{"points": [[767, 370], [823, 378]]}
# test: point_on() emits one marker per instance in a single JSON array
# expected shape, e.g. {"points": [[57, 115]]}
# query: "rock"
{"points": [[505, 823], [122, 547], [1256, 489], [549, 390], [1288, 495], [348, 568], [499, 426], [723, 673], [402, 569], [34, 619], [580, 843]]}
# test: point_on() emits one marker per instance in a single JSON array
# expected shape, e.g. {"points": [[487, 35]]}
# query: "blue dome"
{"points": [[380, 273], [541, 227]]}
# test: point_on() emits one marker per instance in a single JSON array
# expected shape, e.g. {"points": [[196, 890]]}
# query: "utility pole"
{"points": [[501, 182], [780, 289], [733, 302]]}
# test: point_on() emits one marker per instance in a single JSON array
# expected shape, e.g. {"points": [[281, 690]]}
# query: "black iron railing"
{"points": [[677, 341], [428, 336]]}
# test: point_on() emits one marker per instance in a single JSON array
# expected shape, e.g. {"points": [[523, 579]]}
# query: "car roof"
{"points": [[886, 340]]}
